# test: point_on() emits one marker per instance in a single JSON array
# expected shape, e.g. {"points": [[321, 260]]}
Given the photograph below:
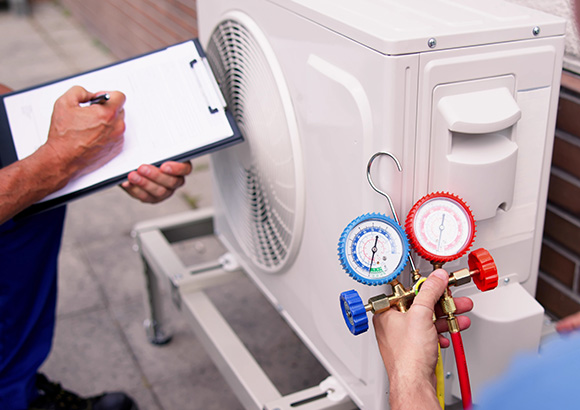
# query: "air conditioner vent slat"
{"points": [[258, 181]]}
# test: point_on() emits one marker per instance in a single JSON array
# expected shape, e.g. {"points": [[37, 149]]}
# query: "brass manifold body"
{"points": [[402, 298]]}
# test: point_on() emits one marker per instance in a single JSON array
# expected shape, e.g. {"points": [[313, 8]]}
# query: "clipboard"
{"points": [[174, 111]]}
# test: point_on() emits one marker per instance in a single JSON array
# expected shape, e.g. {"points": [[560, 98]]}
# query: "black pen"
{"points": [[99, 99]]}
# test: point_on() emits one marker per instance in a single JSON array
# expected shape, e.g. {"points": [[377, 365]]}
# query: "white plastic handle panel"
{"points": [[480, 112]]}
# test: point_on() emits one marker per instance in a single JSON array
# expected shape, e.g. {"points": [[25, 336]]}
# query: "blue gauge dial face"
{"points": [[375, 249]]}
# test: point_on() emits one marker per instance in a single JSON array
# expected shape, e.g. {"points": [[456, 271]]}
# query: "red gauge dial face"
{"points": [[441, 227]]}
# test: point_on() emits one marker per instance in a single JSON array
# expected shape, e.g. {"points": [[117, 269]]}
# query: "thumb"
{"points": [[432, 289]]}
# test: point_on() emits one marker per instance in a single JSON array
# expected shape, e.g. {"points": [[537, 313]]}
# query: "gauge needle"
{"points": [[441, 229], [374, 249]]}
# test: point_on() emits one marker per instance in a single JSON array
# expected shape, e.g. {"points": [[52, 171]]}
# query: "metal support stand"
{"points": [[165, 270]]}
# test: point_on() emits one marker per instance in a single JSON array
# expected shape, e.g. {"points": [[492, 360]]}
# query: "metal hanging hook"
{"points": [[373, 186]]}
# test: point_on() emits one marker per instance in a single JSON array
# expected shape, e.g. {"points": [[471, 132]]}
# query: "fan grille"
{"points": [[257, 179]]}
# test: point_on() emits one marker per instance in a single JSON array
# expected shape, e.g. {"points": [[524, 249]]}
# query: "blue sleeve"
{"points": [[548, 381]]}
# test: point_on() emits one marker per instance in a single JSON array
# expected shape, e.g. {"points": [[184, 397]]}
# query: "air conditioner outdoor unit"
{"points": [[463, 93]]}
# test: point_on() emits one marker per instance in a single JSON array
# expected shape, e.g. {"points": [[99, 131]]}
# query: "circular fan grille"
{"points": [[260, 179]]}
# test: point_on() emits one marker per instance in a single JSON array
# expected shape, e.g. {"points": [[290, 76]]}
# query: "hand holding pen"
{"points": [[86, 138]]}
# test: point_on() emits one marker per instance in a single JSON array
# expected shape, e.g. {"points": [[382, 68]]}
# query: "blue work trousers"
{"points": [[29, 250]]}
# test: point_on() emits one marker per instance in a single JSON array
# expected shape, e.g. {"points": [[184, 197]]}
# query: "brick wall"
{"points": [[132, 27], [559, 281]]}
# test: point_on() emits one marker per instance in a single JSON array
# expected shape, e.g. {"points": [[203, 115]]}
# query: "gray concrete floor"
{"points": [[100, 342]]}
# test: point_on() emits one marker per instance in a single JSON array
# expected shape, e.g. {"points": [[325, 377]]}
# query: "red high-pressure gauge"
{"points": [[441, 227]]}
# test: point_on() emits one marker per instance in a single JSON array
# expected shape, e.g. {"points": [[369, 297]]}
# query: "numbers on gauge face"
{"points": [[374, 249], [441, 227]]}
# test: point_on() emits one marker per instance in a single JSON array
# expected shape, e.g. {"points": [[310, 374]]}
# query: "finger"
{"points": [[158, 177], [565, 327], [138, 193], [462, 304], [4, 89], [569, 323], [154, 189], [444, 342], [432, 289], [120, 125], [442, 326], [117, 99], [176, 168], [74, 96]]}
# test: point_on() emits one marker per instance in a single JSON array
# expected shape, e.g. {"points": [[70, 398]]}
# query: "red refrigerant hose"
{"points": [[462, 373]]}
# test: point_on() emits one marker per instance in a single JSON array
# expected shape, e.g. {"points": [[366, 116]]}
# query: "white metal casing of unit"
{"points": [[464, 94]]}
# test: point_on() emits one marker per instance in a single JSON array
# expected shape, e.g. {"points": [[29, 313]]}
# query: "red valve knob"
{"points": [[481, 261]]}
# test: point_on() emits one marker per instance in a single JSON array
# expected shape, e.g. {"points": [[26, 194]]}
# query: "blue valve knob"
{"points": [[354, 312]]}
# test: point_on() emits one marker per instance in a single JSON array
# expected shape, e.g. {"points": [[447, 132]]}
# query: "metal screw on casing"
{"points": [[432, 43], [536, 31], [506, 280]]}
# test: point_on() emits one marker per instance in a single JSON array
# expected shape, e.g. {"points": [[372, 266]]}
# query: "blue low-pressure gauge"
{"points": [[373, 249]]}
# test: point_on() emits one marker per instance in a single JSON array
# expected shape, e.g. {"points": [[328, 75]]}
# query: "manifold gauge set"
{"points": [[374, 249]]}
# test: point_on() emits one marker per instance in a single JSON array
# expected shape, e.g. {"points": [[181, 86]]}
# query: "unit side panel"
{"points": [[498, 160]]}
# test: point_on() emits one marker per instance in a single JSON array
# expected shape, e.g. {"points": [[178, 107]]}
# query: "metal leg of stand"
{"points": [[154, 325], [163, 270]]}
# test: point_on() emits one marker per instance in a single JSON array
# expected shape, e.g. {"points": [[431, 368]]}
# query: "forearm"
{"points": [[407, 394], [26, 182]]}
